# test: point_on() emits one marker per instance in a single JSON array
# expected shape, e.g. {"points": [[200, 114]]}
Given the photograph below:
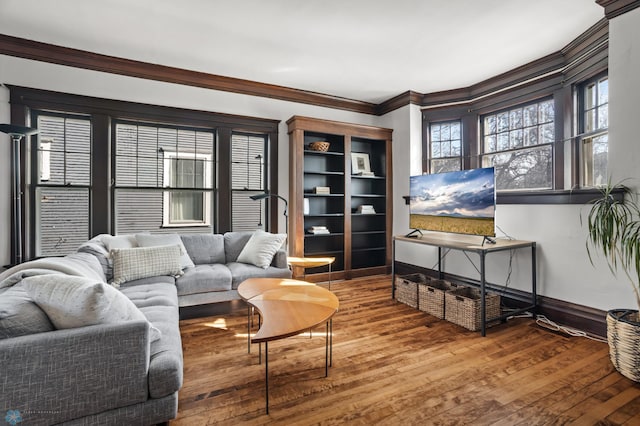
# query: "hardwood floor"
{"points": [[397, 366]]}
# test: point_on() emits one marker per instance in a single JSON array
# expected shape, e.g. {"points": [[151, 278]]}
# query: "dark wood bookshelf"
{"points": [[359, 242]]}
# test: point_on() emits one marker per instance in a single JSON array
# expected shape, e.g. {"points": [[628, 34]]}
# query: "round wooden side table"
{"points": [[312, 262]]}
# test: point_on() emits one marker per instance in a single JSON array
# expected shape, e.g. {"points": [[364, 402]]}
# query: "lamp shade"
{"points": [[15, 130], [260, 196]]}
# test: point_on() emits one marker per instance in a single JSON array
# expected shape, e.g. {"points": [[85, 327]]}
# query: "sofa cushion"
{"points": [[234, 242], [204, 278], [243, 271], [260, 248], [19, 315], [159, 304], [96, 248], [72, 302], [141, 262], [165, 279], [204, 248], [148, 240]]}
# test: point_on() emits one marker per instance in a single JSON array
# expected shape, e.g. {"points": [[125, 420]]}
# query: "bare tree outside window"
{"points": [[519, 143]]}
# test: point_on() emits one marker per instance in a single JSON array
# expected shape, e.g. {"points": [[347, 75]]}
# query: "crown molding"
{"points": [[44, 52], [407, 98], [613, 8]]}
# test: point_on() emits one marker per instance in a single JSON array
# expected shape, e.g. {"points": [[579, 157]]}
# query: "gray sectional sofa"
{"points": [[109, 373]]}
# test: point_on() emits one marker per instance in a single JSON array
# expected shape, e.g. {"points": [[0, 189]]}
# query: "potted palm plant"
{"points": [[614, 230]]}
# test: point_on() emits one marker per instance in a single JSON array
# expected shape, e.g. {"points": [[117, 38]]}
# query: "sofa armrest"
{"points": [[280, 259], [64, 374]]}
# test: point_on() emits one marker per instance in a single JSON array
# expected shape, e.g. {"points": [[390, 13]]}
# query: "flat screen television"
{"points": [[461, 202]]}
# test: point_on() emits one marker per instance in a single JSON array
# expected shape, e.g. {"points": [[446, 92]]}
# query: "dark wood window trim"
{"points": [[23, 100], [555, 76], [577, 196]]}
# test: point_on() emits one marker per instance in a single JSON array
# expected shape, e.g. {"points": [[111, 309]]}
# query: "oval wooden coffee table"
{"points": [[287, 308]]}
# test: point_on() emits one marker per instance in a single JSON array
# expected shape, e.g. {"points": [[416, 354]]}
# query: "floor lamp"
{"points": [[286, 216], [17, 133]]}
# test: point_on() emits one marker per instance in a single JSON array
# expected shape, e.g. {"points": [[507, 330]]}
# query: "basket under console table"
{"points": [[446, 241]]}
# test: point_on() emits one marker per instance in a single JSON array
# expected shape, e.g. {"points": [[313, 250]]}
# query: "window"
{"points": [[593, 136], [519, 142], [189, 206], [445, 146], [248, 169], [164, 177], [62, 183], [107, 166]]}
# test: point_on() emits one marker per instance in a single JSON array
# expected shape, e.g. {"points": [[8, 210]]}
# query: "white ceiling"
{"points": [[368, 50]]}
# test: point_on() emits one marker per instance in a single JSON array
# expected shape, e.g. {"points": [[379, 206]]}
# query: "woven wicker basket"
{"points": [[623, 335], [462, 307], [431, 296], [319, 146], [406, 288]]}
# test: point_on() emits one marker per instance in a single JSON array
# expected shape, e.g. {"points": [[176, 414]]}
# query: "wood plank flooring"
{"points": [[393, 365]]}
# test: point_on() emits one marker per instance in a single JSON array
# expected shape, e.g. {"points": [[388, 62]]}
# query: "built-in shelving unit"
{"points": [[359, 242]]}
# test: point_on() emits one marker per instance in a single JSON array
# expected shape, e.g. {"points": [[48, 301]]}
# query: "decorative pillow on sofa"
{"points": [[72, 302], [142, 262], [149, 240], [261, 248], [19, 315], [119, 241]]}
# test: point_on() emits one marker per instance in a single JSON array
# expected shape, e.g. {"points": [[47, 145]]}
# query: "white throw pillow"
{"points": [[72, 302], [261, 248], [142, 262], [119, 241], [148, 240]]}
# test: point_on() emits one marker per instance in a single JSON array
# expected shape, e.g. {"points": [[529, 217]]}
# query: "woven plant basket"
{"points": [[431, 296], [623, 335], [463, 307], [407, 288]]}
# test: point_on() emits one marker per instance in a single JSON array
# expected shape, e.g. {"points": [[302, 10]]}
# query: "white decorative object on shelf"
{"points": [[305, 206], [366, 209], [318, 230]]}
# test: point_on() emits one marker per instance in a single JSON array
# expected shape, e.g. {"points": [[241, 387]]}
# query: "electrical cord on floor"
{"points": [[545, 322]]}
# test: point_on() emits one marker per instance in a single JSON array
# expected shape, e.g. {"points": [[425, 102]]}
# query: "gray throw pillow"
{"points": [[142, 262], [150, 240]]}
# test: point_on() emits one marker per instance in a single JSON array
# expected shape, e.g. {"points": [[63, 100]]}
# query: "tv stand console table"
{"points": [[446, 241]]}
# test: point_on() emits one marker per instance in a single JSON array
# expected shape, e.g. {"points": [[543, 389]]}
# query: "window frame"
{"points": [[430, 157], [35, 183], [103, 112], [207, 189], [508, 110], [581, 134]]}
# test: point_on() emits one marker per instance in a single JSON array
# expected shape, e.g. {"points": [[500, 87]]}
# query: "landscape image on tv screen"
{"points": [[461, 202]]}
